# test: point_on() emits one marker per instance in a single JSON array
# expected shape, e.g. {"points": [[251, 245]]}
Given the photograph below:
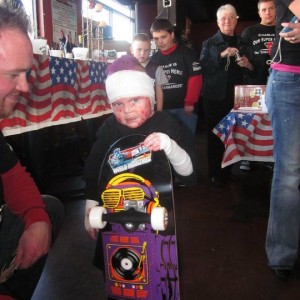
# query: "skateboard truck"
{"points": [[130, 219]]}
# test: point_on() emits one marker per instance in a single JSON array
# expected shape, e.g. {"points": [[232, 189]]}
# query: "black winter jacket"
{"points": [[213, 66]]}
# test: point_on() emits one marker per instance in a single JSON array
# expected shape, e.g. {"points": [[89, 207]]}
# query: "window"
{"points": [[31, 12], [124, 29], [118, 16]]}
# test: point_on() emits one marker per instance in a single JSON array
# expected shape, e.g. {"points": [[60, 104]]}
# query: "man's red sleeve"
{"points": [[194, 88], [22, 196]]}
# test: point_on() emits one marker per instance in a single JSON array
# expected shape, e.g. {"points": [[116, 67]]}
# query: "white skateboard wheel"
{"points": [[95, 217], [159, 218]]}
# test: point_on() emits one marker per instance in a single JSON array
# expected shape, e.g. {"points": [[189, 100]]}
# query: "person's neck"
{"points": [[227, 32], [270, 24], [144, 64], [170, 50]]}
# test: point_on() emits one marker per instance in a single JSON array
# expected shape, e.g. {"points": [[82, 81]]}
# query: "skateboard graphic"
{"points": [[137, 221]]}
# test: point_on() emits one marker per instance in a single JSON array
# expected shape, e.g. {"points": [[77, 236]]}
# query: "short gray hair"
{"points": [[226, 7]]}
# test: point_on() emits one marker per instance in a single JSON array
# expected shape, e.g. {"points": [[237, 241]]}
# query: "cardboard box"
{"points": [[249, 98]]}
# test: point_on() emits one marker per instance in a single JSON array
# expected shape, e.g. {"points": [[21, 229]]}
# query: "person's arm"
{"points": [[92, 167], [159, 97], [247, 59], [211, 60], [23, 197], [246, 35], [34, 243], [294, 7], [293, 35], [89, 204], [160, 80], [194, 88], [178, 157], [244, 62], [194, 77]]}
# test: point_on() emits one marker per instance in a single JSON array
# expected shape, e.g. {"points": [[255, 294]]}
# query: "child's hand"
{"points": [[88, 206], [178, 157], [154, 142]]}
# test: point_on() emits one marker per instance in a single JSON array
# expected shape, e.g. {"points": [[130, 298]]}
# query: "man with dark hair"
{"points": [[29, 223], [182, 68]]}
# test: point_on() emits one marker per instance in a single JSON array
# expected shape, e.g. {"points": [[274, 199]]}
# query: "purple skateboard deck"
{"points": [[140, 262]]}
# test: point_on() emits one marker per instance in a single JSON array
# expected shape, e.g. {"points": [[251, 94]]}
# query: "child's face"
{"points": [[132, 111], [141, 51]]}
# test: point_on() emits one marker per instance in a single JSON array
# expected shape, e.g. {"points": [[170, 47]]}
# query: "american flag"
{"points": [[246, 136], [61, 91]]}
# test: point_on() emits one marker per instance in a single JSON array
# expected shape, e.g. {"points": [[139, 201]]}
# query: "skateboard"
{"points": [[137, 221]]}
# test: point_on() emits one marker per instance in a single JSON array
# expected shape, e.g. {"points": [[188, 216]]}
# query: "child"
{"points": [[140, 49], [131, 94]]}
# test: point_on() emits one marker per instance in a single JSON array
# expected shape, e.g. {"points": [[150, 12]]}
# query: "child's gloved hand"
{"points": [[153, 141], [89, 204], [178, 157]]}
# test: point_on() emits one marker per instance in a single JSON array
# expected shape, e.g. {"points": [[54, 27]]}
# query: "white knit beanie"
{"points": [[129, 83]]}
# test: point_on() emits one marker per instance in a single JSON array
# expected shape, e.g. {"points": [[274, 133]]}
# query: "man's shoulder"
{"points": [[257, 28], [152, 63], [252, 28], [215, 39], [185, 56], [155, 56], [183, 48], [256, 25]]}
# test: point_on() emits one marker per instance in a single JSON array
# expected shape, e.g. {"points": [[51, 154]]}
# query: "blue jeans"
{"points": [[187, 120], [283, 101]]}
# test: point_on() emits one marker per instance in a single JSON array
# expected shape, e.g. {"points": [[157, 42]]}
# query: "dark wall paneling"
{"points": [[205, 10], [146, 13]]}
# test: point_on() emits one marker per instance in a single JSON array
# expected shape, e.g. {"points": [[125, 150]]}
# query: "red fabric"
{"points": [[23, 197], [61, 90], [193, 90], [6, 297], [170, 50]]}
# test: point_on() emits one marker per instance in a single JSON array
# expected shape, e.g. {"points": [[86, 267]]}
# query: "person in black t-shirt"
{"points": [[261, 37], [183, 71]]}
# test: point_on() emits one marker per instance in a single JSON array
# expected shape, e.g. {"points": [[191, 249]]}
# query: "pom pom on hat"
{"points": [[127, 78], [125, 62]]}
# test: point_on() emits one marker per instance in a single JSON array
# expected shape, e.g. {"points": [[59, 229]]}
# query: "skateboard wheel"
{"points": [[159, 218], [95, 217]]}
